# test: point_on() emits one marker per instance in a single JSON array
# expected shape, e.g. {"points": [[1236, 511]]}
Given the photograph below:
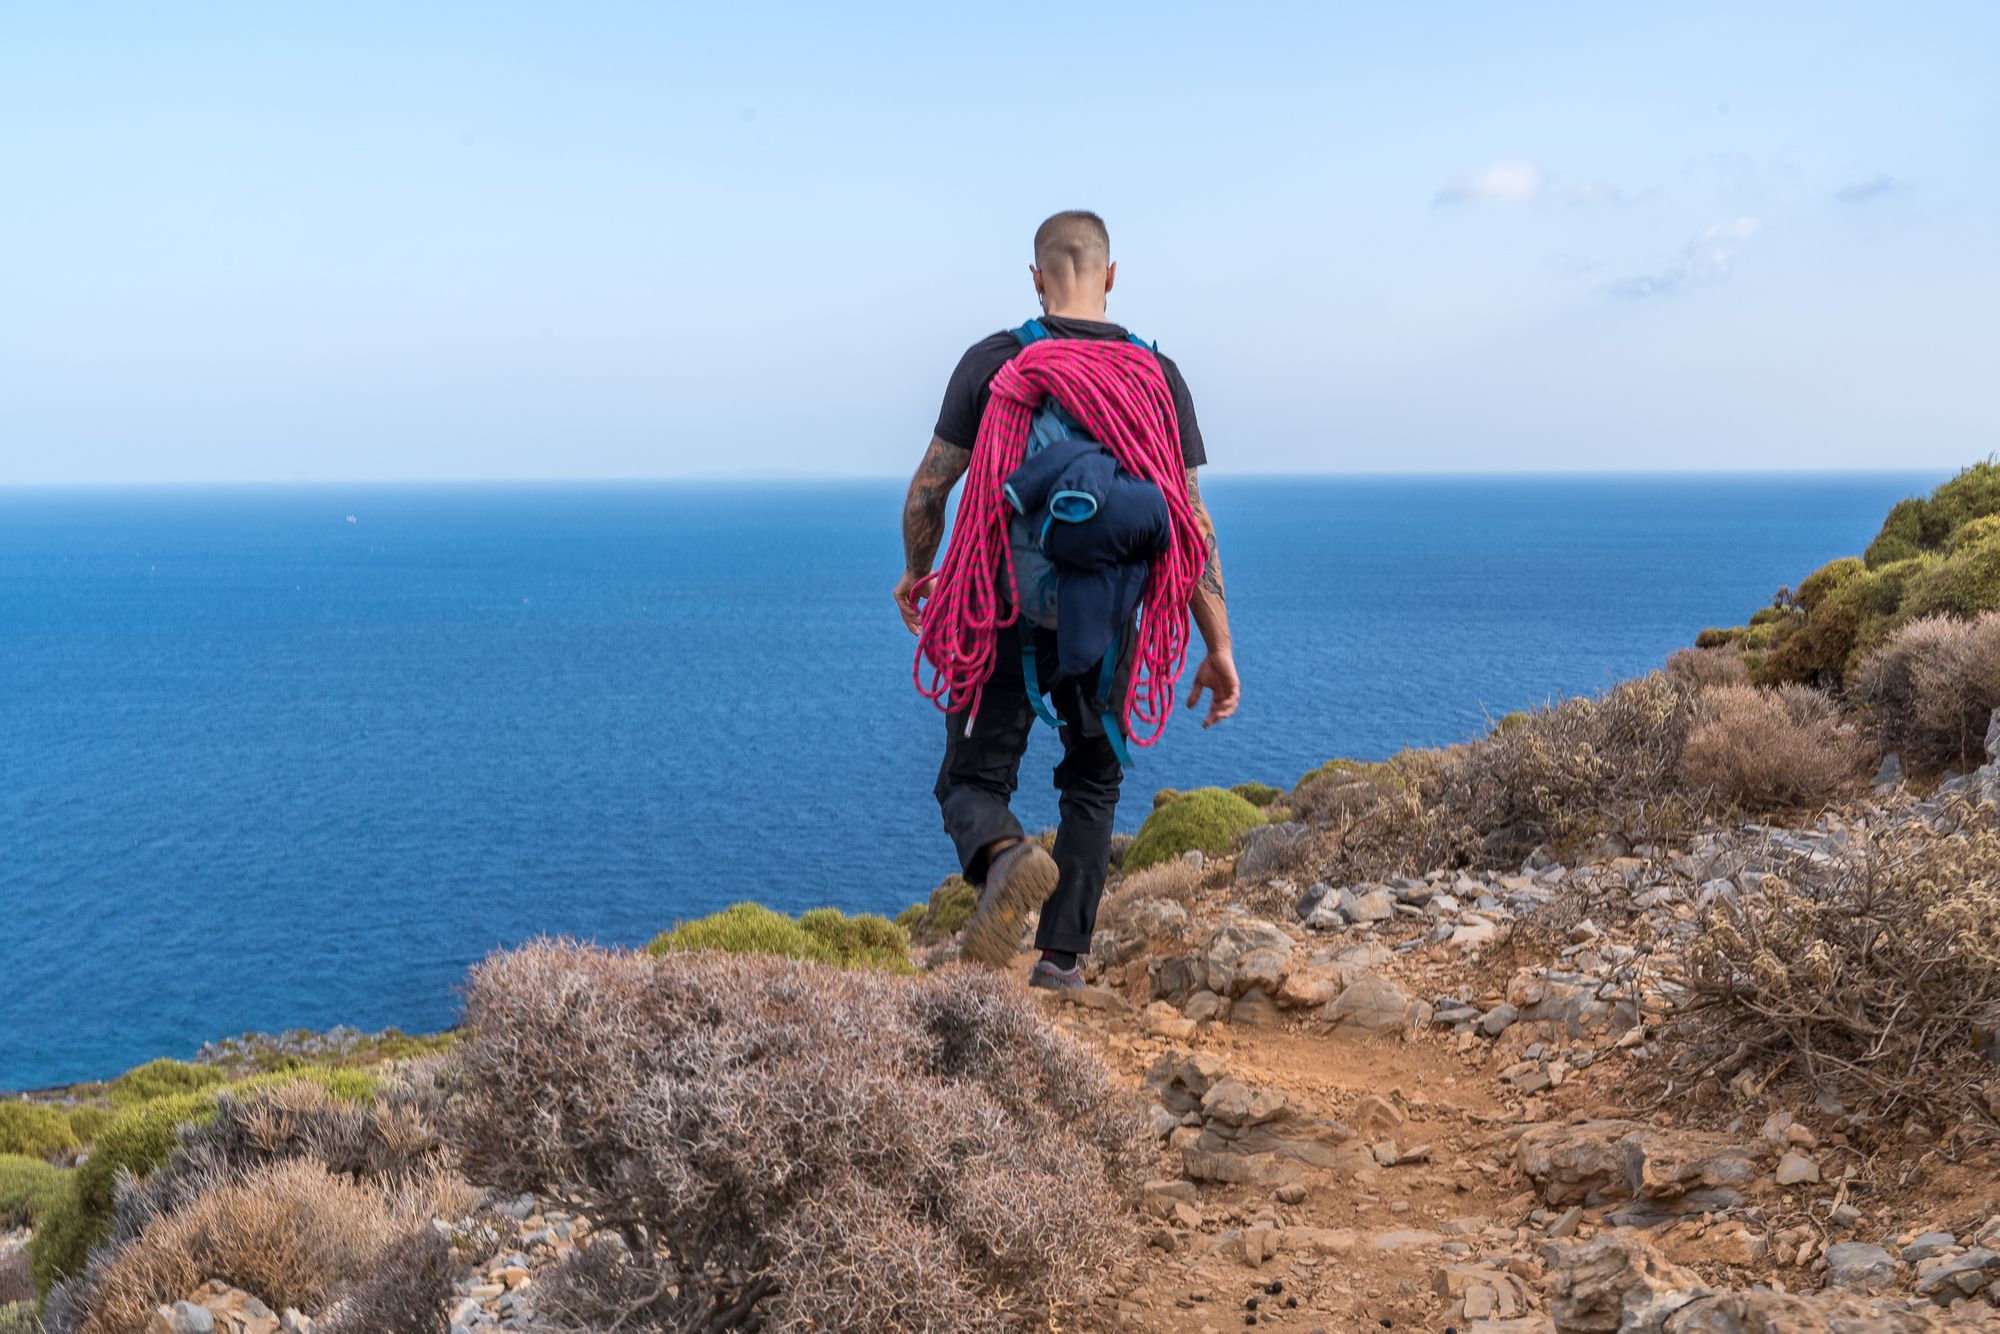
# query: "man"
{"points": [[1073, 274]]}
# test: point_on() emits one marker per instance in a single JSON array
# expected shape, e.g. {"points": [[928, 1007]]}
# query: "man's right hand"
{"points": [[910, 592]]}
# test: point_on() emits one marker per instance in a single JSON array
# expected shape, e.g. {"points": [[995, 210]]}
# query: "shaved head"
{"points": [[1073, 244]]}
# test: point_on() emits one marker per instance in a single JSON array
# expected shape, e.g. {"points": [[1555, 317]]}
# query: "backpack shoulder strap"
{"points": [[1137, 341], [1031, 332]]}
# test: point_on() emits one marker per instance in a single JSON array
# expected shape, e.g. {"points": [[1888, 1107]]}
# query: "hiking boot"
{"points": [[1048, 977], [1019, 881]]}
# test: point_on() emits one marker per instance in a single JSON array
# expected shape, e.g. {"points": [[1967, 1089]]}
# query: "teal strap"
{"points": [[1107, 676], [1033, 682]]}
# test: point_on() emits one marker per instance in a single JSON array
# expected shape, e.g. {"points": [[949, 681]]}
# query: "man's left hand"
{"points": [[1217, 675]]}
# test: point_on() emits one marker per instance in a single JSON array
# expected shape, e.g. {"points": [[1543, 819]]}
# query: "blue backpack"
{"points": [[1035, 575]]}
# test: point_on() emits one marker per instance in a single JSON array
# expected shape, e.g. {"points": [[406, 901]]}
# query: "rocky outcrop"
{"points": [[1652, 1173]]}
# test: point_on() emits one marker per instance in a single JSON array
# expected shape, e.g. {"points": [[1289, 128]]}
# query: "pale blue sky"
{"points": [[360, 240]]}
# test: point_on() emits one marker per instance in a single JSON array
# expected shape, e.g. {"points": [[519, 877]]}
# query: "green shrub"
{"points": [[1165, 795], [1259, 795], [1716, 637], [1771, 615], [1818, 585], [28, 1186], [1915, 526], [161, 1079], [1963, 582], [34, 1130], [1207, 819], [19, 1318], [946, 912], [823, 935], [87, 1121], [137, 1141]]}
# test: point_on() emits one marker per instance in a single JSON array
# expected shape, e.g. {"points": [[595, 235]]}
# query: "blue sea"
{"points": [[278, 757]]}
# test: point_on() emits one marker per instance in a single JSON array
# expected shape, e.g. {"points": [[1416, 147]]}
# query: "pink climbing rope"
{"points": [[1118, 393]]}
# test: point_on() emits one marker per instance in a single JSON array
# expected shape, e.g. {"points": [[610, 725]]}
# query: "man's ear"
{"points": [[1110, 274], [1036, 274]]}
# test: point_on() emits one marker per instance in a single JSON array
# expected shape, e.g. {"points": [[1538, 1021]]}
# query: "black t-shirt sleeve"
{"points": [[1193, 452], [966, 392]]}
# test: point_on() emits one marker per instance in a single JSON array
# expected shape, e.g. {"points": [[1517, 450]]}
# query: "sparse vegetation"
{"points": [[873, 1153], [1879, 975], [822, 935], [1207, 819]]}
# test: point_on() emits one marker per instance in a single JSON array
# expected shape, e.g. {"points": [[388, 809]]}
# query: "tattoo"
{"points": [[923, 507], [1211, 570]]}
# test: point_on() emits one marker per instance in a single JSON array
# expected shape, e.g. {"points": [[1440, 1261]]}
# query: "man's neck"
{"points": [[1076, 310]]}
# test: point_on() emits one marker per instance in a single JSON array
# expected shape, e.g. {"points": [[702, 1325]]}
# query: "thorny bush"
{"points": [[1880, 978], [786, 1146]]}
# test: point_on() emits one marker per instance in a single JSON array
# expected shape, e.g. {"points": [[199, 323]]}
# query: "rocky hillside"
{"points": [[1672, 1010]]}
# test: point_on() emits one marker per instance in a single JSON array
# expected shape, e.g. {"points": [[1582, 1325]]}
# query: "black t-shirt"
{"points": [[965, 396]]}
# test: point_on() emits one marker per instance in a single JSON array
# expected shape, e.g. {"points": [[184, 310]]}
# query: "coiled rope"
{"points": [[1118, 393]]}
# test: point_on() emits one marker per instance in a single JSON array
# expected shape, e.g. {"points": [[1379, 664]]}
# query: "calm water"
{"points": [[261, 766]]}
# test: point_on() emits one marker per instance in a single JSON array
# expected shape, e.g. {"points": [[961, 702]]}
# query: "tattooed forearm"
{"points": [[923, 507], [1211, 570]]}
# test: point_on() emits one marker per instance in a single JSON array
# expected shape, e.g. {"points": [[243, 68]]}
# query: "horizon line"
{"points": [[788, 477]]}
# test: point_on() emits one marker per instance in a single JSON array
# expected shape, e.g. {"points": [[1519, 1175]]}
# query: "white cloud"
{"points": [[1514, 181], [1708, 259]]}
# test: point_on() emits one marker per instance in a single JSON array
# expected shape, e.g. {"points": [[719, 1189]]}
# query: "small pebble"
{"points": [[1276, 1287]]}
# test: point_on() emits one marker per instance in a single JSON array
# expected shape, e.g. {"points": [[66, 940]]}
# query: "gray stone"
{"points": [[1796, 1169], [1931, 1243], [1311, 898], [187, 1318], [1269, 850], [1372, 1004], [1176, 979], [1960, 1276], [1891, 772], [1245, 953], [1498, 1020], [1856, 1264], [1371, 904]]}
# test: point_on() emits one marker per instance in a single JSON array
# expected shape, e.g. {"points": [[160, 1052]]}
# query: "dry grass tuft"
{"points": [[1770, 750], [1706, 668], [286, 1233], [797, 1147]]}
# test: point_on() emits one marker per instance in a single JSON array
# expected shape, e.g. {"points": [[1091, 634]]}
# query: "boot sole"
{"points": [[993, 935]]}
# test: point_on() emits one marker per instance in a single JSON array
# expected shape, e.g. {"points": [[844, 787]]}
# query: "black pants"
{"points": [[981, 771]]}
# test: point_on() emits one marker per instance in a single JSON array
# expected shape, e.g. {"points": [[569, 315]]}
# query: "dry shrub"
{"points": [[1930, 691], [797, 1147], [363, 1173], [1772, 749], [286, 1233], [1879, 977], [408, 1290], [1703, 668], [1567, 772]]}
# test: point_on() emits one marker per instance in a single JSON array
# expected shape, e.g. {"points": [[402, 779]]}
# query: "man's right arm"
{"points": [[923, 521]]}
